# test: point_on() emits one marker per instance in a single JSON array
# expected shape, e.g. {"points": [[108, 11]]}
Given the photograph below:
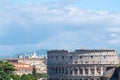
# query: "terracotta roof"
{"points": [[26, 68], [22, 66], [18, 63]]}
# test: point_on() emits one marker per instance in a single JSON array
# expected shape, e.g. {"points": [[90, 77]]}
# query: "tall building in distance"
{"points": [[82, 64]]}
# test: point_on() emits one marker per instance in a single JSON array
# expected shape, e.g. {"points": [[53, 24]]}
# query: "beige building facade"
{"points": [[83, 64], [22, 68], [33, 60]]}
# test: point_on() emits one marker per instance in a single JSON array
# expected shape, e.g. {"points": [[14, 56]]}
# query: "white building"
{"points": [[33, 60], [83, 64]]}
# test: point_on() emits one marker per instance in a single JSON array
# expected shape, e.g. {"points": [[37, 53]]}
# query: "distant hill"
{"points": [[41, 52]]}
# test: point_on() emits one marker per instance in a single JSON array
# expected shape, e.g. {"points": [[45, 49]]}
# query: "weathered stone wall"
{"points": [[81, 64]]}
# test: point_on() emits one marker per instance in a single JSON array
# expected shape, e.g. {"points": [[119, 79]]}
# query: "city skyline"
{"points": [[58, 24]]}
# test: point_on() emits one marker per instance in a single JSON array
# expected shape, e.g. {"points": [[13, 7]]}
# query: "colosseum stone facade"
{"points": [[82, 64]]}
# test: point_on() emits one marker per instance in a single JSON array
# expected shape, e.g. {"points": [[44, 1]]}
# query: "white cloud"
{"points": [[40, 13], [68, 14], [114, 29], [74, 40], [59, 26], [113, 35], [115, 41]]}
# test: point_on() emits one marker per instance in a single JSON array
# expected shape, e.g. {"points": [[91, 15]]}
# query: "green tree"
{"points": [[6, 70], [4, 76], [27, 77], [34, 73], [42, 75], [31, 76], [15, 77], [24, 77]]}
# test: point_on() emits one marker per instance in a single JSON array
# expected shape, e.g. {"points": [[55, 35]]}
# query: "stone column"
{"points": [[89, 71], [68, 69], [83, 70], [78, 71], [101, 71], [73, 71], [62, 70], [95, 71]]}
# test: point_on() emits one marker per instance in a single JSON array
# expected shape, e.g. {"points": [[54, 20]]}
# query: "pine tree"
{"points": [[34, 73]]}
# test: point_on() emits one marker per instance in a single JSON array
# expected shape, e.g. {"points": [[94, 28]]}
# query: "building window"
{"points": [[62, 70], [66, 71], [56, 57], [104, 56], [92, 70], [62, 57], [59, 70], [99, 70], [86, 62], [81, 71], [76, 71], [75, 62], [56, 71], [80, 57], [52, 57], [91, 56], [71, 71], [86, 71], [70, 57]]}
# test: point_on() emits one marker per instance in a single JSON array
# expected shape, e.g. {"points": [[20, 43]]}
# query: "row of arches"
{"points": [[76, 71]]}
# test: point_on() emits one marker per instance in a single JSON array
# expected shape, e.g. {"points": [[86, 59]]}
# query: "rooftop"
{"points": [[85, 50]]}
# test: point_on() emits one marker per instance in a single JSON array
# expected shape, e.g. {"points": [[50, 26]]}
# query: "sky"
{"points": [[27, 25]]}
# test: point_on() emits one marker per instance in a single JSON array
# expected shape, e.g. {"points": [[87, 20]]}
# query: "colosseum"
{"points": [[82, 64]]}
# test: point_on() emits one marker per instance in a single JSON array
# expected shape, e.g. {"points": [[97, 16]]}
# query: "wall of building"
{"points": [[80, 64]]}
